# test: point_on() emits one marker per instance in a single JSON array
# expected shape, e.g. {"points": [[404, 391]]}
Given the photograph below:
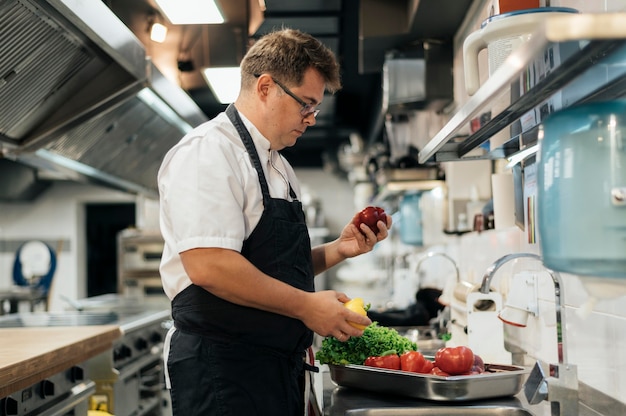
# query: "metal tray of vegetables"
{"points": [[497, 381]]}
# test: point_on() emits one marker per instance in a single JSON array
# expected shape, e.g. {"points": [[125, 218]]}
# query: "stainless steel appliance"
{"points": [[126, 381], [138, 258], [129, 379], [85, 100], [64, 393]]}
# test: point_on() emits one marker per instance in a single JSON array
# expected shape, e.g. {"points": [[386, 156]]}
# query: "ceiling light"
{"points": [[158, 32], [225, 82], [190, 12]]}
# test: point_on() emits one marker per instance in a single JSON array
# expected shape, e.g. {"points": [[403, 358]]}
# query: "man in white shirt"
{"points": [[238, 263]]}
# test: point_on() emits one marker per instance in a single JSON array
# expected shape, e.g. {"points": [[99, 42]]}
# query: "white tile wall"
{"points": [[596, 332]]}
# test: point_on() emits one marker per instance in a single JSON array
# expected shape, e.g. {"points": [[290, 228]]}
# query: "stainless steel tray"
{"points": [[497, 381]]}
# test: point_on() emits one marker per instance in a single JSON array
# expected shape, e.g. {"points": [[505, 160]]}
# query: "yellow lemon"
{"points": [[356, 305]]}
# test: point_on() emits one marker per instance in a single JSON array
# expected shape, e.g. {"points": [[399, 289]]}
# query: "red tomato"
{"points": [[415, 362], [370, 217], [390, 361], [454, 360]]}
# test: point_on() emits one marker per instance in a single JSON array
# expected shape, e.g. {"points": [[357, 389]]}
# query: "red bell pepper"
{"points": [[415, 362], [438, 372], [389, 360]]}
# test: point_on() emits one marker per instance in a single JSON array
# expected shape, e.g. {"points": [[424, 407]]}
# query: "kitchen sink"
{"points": [[442, 411]]}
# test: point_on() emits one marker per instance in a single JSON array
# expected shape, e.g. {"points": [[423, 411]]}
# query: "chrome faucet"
{"points": [[443, 317], [559, 384], [431, 254]]}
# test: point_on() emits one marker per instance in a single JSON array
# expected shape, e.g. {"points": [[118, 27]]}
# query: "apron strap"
{"points": [[166, 354], [233, 115]]}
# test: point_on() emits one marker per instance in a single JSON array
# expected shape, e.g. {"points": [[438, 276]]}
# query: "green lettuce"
{"points": [[376, 341]]}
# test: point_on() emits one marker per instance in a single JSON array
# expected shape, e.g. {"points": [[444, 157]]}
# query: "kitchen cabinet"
{"points": [[592, 67]]}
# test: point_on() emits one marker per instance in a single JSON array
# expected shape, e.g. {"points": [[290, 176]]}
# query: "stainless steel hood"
{"points": [[79, 98]]}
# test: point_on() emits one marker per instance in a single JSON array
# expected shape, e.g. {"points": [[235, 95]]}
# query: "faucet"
{"points": [[559, 384], [431, 254], [443, 317]]}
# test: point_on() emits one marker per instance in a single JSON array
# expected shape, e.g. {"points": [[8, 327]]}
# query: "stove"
{"points": [[127, 380], [130, 379]]}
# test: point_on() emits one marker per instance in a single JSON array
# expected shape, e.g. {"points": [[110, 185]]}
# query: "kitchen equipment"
{"points": [[398, 134], [500, 35], [64, 393], [411, 219], [521, 300], [138, 257], [485, 331], [581, 201], [128, 379], [497, 381], [474, 322]]}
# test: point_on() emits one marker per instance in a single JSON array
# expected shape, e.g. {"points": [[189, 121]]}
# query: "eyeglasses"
{"points": [[307, 109]]}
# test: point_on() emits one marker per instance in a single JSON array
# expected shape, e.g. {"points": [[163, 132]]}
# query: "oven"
{"points": [[63, 394], [126, 380], [138, 258], [130, 378]]}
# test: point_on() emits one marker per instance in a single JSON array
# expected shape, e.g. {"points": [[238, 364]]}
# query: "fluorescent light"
{"points": [[224, 82], [191, 12], [516, 158], [158, 32]]}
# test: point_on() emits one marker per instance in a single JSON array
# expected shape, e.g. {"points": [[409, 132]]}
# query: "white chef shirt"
{"points": [[210, 194]]}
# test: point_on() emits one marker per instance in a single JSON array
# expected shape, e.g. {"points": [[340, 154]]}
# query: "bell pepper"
{"points": [[370, 217], [436, 371], [356, 305], [415, 362], [389, 360], [455, 360]]}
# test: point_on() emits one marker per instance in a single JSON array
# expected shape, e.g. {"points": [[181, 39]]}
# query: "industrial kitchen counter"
{"points": [[342, 401], [29, 355]]}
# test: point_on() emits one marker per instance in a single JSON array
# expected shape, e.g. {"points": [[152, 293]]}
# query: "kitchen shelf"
{"points": [[600, 43], [391, 190]]}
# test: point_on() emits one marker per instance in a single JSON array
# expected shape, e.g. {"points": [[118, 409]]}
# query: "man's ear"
{"points": [[263, 84]]}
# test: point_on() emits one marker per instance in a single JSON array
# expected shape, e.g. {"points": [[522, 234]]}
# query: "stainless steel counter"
{"points": [[13, 296], [128, 374], [337, 401]]}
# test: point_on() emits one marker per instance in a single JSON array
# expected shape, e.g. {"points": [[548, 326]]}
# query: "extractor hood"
{"points": [[79, 97]]}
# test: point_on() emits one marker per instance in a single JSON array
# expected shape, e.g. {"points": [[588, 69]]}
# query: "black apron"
{"points": [[227, 359]]}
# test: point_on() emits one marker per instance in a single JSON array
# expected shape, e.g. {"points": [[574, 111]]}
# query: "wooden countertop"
{"points": [[29, 355]]}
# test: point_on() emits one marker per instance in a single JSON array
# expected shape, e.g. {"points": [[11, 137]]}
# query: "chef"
{"points": [[237, 263]]}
